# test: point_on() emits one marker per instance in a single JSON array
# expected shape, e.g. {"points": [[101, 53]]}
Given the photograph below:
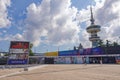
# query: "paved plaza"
{"points": [[66, 72]]}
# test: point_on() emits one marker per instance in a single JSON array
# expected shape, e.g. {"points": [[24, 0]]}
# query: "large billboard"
{"points": [[87, 51], [68, 53], [18, 52], [117, 59], [51, 53], [97, 51]]}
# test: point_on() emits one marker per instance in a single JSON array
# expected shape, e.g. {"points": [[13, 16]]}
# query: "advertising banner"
{"points": [[17, 61], [81, 51], [68, 53], [118, 59], [68, 60], [51, 54], [19, 45], [18, 52], [97, 51], [87, 51]]}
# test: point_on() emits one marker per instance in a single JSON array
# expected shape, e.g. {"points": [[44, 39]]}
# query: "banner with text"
{"points": [[18, 52]]}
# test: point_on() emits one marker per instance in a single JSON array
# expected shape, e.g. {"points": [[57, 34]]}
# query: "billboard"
{"points": [[117, 59], [19, 45], [18, 52], [97, 51], [68, 53], [71, 60], [81, 51], [87, 51], [59, 60], [51, 53]]}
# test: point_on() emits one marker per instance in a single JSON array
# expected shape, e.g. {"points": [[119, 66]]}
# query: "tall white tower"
{"points": [[93, 30]]}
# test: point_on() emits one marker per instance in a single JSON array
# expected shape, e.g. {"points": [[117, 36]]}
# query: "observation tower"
{"points": [[93, 30]]}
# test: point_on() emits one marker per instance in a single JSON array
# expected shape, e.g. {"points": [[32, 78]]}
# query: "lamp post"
{"points": [[58, 48], [118, 40]]}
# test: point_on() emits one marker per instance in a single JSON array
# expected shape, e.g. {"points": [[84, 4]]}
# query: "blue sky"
{"points": [[53, 24]]}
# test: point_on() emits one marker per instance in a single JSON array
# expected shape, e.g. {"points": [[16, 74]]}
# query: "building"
{"points": [[93, 30]]}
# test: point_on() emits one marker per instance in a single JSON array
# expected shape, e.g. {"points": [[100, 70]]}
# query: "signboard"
{"points": [[19, 45], [81, 51], [97, 51], [118, 59], [18, 52], [68, 53], [87, 51]]}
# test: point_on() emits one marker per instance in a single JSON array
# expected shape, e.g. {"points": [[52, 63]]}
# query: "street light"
{"points": [[58, 48], [118, 40]]}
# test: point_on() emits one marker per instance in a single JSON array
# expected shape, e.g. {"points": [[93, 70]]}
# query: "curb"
{"points": [[28, 69]]}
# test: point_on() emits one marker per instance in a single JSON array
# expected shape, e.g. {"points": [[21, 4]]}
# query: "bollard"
{"points": [[3, 67], [26, 69]]}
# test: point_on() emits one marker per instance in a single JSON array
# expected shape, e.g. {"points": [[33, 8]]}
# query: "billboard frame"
{"points": [[26, 61]]}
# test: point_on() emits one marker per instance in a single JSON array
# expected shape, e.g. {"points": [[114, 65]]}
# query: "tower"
{"points": [[93, 30]]}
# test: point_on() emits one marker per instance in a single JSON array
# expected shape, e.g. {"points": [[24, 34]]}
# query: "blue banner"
{"points": [[87, 51], [68, 53], [97, 51], [17, 61]]}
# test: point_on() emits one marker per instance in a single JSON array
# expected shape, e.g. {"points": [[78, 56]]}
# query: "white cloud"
{"points": [[9, 37], [53, 20], [109, 17], [4, 21], [106, 14], [57, 25], [56, 22], [83, 16]]}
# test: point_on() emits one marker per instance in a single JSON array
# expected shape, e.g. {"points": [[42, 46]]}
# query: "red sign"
{"points": [[18, 52], [19, 45]]}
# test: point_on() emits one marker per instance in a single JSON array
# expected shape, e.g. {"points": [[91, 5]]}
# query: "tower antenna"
{"points": [[93, 30], [92, 19]]}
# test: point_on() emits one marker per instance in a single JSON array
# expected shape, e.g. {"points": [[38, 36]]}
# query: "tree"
{"points": [[107, 43], [80, 46], [74, 47], [6, 54], [31, 52], [100, 43], [115, 44]]}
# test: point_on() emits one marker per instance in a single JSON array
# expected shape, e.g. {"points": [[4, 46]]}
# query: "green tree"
{"points": [[115, 44], [6, 54], [31, 52], [108, 43], [80, 46], [75, 48], [100, 43]]}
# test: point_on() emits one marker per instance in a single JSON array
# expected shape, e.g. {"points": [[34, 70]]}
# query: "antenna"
{"points": [[92, 19]]}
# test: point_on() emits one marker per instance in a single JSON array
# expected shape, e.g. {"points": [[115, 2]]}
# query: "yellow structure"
{"points": [[51, 54]]}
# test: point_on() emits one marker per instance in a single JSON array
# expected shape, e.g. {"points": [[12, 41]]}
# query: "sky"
{"points": [[53, 25]]}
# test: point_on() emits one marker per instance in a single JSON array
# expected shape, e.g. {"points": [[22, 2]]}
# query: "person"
{"points": [[100, 61], [93, 61], [84, 60]]}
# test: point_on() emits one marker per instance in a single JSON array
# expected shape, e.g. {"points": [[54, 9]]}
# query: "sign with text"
{"points": [[18, 52], [19, 45]]}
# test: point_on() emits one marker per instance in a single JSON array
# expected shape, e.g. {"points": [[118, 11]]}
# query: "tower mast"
{"points": [[93, 30], [92, 19]]}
